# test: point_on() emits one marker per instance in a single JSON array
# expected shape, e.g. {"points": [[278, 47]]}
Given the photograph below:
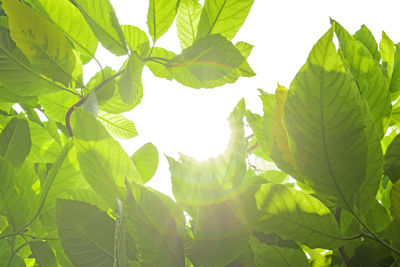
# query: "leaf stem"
{"points": [[83, 100], [16, 251]]}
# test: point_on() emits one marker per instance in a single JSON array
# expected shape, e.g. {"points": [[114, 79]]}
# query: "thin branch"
{"points": [[16, 251], [83, 100], [252, 148]]}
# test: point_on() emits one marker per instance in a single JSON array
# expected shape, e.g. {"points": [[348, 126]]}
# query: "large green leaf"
{"points": [[44, 148], [56, 105], [187, 21], [326, 118], [101, 17], [273, 255], [15, 141], [386, 47], [136, 39], [395, 80], [71, 22], [145, 160], [223, 16], [395, 201], [17, 73], [43, 43], [160, 16], [364, 35], [86, 233], [43, 253], [211, 61], [130, 84], [102, 160], [219, 237], [274, 208], [391, 164], [17, 200], [153, 229], [373, 85], [117, 125]]}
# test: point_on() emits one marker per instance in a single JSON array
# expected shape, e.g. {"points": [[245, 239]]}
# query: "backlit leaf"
{"points": [[145, 160], [365, 36], [327, 120], [372, 84], [136, 39], [395, 201], [100, 16], [160, 16], [44, 148], [86, 233], [71, 22], [43, 253], [219, 237], [277, 256], [17, 72], [391, 164], [153, 229], [395, 80], [57, 104], [159, 69], [130, 84], [117, 125], [107, 91], [102, 160], [187, 21], [43, 43], [274, 208], [15, 141], [386, 47], [208, 63], [223, 16]]}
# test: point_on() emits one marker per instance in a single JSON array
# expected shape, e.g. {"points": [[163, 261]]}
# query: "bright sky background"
{"points": [[181, 119]]}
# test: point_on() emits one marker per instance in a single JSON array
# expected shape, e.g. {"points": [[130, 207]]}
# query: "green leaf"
{"points": [[373, 85], [43, 253], [386, 47], [44, 148], [365, 36], [327, 121], [130, 84], [159, 69], [187, 21], [160, 16], [145, 160], [43, 43], [266, 255], [391, 164], [395, 201], [106, 92], [219, 237], [395, 80], [102, 160], [17, 73], [211, 61], [101, 17], [377, 217], [15, 141], [153, 229], [17, 200], [291, 214], [71, 22], [136, 39], [57, 104], [117, 125], [223, 16], [86, 233]]}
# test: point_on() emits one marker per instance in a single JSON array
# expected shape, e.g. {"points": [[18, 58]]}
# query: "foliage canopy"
{"points": [[71, 196]]}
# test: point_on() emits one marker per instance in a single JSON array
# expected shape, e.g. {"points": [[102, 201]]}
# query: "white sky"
{"points": [[181, 119]]}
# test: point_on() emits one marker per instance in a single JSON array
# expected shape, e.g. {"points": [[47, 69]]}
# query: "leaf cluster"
{"points": [[315, 184]]}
